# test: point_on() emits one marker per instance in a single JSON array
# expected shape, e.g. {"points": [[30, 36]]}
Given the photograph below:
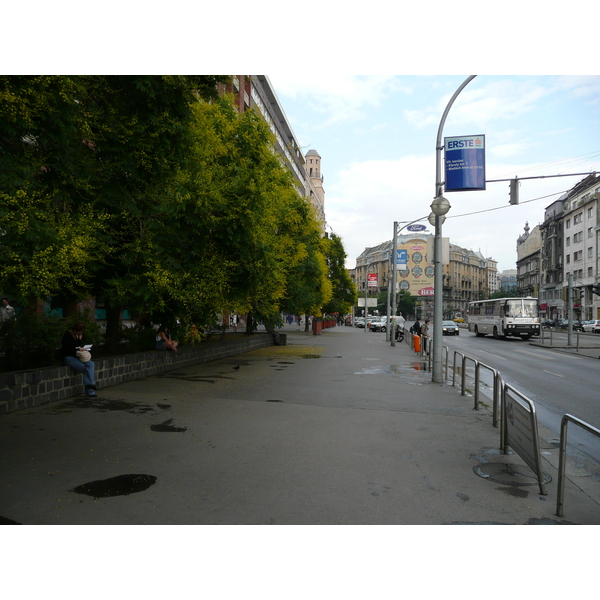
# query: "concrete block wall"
{"points": [[25, 389]]}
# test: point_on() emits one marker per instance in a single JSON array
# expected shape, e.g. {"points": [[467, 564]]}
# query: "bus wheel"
{"points": [[477, 332], [496, 336]]}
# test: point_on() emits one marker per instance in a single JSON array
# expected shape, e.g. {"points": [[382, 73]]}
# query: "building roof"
{"points": [[313, 153]]}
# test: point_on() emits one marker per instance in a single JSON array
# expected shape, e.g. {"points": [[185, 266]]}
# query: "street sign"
{"points": [[372, 280], [401, 258], [465, 163], [416, 228]]}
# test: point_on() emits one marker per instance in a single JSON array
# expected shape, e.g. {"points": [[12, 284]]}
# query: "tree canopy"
{"points": [[151, 193]]}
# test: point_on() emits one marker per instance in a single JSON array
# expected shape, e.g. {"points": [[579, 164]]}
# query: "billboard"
{"points": [[416, 277], [465, 163], [417, 274]]}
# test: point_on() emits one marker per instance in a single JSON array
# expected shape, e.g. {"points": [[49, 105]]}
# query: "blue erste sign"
{"points": [[465, 163]]}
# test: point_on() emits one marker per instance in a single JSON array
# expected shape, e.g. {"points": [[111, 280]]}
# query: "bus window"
{"points": [[513, 308], [530, 308]]}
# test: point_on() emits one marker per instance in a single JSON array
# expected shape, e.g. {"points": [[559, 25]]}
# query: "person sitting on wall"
{"points": [[75, 356], [164, 341]]}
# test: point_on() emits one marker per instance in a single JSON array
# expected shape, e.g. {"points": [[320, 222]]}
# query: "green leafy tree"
{"points": [[85, 164], [406, 303], [344, 294]]}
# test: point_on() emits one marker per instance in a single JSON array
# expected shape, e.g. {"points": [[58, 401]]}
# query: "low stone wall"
{"points": [[24, 389]]}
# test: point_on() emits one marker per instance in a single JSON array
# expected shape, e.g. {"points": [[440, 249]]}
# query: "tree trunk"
{"points": [[113, 328], [250, 324]]}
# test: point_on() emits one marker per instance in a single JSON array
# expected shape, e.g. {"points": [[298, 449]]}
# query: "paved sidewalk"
{"points": [[339, 428]]}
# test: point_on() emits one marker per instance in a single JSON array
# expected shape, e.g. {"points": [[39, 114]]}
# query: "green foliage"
{"points": [[31, 341], [138, 338], [406, 303], [344, 294], [34, 339], [138, 191]]}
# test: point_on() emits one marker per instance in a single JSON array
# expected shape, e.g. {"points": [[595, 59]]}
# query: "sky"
{"points": [[376, 135]]}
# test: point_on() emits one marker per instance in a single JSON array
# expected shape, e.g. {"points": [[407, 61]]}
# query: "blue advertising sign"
{"points": [[465, 163], [416, 228], [401, 258]]}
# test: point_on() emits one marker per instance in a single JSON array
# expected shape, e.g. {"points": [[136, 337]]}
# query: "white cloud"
{"points": [[339, 97]]}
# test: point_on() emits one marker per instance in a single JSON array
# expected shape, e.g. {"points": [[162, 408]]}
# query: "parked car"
{"points": [[359, 322], [379, 324], [449, 328], [592, 326], [549, 323], [370, 319], [565, 325], [459, 320]]}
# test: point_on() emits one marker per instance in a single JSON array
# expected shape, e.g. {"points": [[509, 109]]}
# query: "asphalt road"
{"points": [[555, 381]]}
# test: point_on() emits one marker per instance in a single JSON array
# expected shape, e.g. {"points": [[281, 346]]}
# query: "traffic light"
{"points": [[514, 191], [596, 289]]}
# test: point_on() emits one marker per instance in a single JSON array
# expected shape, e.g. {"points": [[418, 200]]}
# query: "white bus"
{"points": [[501, 317]]}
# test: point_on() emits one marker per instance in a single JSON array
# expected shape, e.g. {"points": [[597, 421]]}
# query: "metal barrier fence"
{"points": [[563, 456], [500, 391]]}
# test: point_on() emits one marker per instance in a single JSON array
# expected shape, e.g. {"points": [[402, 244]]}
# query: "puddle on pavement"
{"points": [[509, 474], [5, 521], [122, 485], [414, 373], [166, 427]]}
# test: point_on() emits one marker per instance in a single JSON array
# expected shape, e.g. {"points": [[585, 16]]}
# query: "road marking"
{"points": [[537, 355], [551, 373]]}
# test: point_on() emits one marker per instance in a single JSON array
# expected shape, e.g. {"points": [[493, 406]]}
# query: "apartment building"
{"points": [[529, 250], [465, 273], [581, 255], [257, 92]]}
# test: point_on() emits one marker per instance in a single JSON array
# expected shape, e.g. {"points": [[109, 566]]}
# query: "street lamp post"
{"points": [[394, 271], [440, 206]]}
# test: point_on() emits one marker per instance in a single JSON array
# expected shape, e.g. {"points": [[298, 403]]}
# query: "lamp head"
{"points": [[440, 206]]}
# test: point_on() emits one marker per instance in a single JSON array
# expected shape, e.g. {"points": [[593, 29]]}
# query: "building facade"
{"points": [[581, 232], [551, 269], [256, 92], [466, 273], [529, 250], [466, 278]]}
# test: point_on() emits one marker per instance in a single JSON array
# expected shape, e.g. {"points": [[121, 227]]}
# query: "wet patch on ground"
{"points": [[5, 521], [122, 485], [413, 373], [546, 521], [509, 474], [101, 405], [199, 378], [166, 427]]}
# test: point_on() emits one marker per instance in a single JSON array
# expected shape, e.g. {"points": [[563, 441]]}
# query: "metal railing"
{"points": [[499, 408], [563, 456]]}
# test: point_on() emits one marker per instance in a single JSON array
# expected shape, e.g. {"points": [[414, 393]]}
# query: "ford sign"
{"points": [[416, 228]]}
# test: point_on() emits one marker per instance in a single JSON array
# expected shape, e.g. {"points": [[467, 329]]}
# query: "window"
{"points": [[577, 218], [590, 252], [568, 223], [568, 241], [590, 232], [590, 272], [590, 212], [568, 258]]}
